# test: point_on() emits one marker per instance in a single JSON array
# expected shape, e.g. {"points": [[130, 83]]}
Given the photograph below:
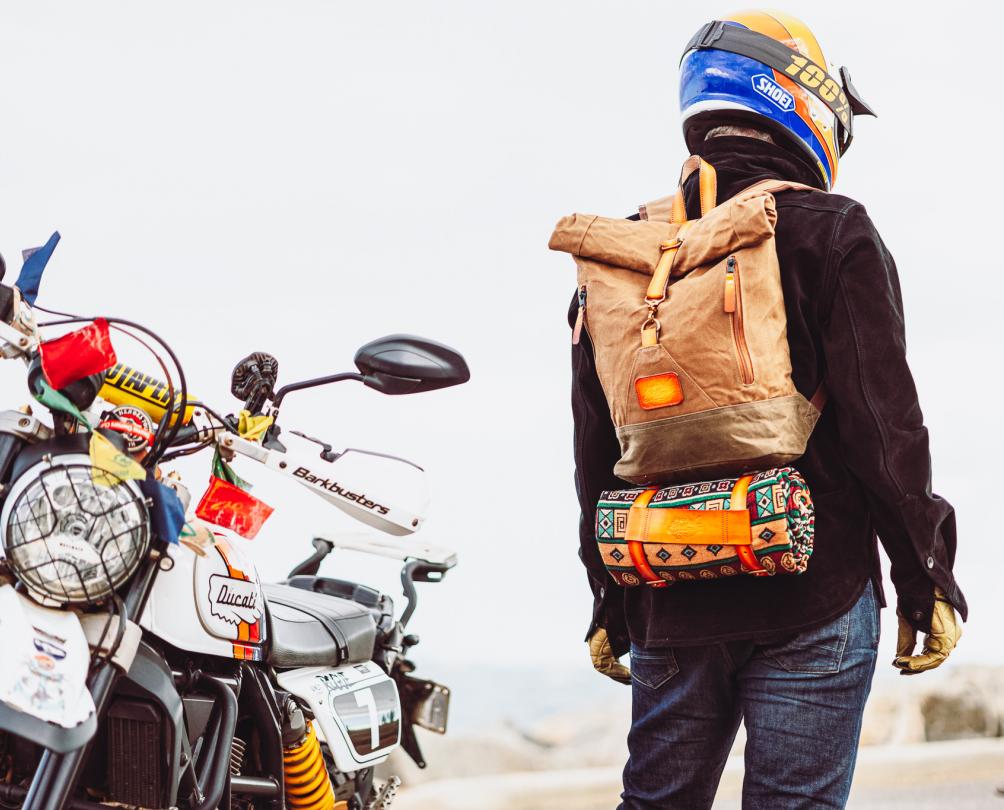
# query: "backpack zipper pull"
{"points": [[581, 317], [730, 285]]}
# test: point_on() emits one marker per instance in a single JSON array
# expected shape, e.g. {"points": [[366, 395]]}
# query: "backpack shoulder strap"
{"points": [[671, 208]]}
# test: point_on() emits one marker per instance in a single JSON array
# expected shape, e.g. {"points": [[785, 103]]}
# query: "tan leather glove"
{"points": [[938, 644], [604, 660]]}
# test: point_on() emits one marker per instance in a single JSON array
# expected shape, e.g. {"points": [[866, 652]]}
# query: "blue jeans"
{"points": [[802, 703]]}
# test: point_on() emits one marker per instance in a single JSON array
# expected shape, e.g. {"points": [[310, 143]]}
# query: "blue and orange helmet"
{"points": [[766, 69]]}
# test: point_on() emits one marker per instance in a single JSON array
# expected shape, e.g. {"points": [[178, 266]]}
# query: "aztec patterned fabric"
{"points": [[781, 524]]}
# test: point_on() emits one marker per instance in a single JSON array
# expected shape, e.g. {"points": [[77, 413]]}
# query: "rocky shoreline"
{"points": [[961, 703]]}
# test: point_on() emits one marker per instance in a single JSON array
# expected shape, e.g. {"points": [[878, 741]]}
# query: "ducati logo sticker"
{"points": [[233, 600]]}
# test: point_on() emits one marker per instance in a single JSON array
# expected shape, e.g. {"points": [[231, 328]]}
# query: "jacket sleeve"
{"points": [[879, 418], [596, 452]]}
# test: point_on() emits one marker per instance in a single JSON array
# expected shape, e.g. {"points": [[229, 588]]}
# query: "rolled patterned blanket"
{"points": [[760, 524]]}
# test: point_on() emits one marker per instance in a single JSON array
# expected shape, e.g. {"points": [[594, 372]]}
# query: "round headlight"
{"points": [[69, 538]]}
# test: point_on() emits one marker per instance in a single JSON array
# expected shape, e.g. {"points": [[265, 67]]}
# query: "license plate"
{"points": [[430, 706]]}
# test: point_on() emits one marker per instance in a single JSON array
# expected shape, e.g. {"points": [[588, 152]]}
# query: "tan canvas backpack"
{"points": [[688, 327]]}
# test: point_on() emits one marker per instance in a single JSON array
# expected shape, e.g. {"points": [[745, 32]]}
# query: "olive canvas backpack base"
{"points": [[689, 333]]}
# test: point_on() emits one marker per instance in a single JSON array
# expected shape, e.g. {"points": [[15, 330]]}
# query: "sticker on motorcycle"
{"points": [[44, 667], [230, 601], [371, 716], [234, 600]]}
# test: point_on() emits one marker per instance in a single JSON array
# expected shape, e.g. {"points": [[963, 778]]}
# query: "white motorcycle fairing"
{"points": [[209, 604], [357, 708], [45, 660]]}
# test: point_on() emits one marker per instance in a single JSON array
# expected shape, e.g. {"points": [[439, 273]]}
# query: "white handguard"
{"points": [[384, 492]]}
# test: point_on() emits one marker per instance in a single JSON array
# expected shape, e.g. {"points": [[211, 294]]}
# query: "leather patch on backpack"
{"points": [[658, 390]]}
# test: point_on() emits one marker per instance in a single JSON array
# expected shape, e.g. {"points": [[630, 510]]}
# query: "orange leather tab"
{"points": [[724, 527], [658, 390]]}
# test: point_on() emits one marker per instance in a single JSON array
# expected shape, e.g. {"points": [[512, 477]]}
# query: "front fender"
{"points": [[43, 674]]}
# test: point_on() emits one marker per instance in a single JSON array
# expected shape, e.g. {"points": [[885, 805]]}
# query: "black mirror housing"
{"points": [[406, 364]]}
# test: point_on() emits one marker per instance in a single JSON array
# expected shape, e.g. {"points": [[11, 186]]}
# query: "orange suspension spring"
{"points": [[306, 778]]}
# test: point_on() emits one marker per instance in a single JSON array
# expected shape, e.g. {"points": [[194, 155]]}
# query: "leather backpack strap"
{"points": [[656, 292], [707, 182]]}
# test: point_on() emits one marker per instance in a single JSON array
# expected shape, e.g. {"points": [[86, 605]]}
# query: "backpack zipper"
{"points": [[581, 317], [733, 305]]}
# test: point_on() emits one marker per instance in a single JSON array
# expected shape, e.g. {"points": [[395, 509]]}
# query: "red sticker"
{"points": [[79, 354], [232, 508]]}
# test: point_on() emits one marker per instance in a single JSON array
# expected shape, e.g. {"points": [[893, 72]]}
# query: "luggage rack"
{"points": [[423, 562]]}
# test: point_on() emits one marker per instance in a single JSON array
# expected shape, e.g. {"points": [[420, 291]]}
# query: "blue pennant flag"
{"points": [[35, 260], [166, 511]]}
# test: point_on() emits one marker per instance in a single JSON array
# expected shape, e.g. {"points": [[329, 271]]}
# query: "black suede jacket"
{"points": [[867, 463]]}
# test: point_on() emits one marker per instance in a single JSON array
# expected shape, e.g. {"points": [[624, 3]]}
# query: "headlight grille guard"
{"points": [[78, 548]]}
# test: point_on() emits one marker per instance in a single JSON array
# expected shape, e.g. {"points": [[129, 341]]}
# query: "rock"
{"points": [[492, 752], [968, 705], [892, 717]]}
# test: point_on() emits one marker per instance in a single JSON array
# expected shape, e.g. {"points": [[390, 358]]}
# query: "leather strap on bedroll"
{"points": [[724, 527]]}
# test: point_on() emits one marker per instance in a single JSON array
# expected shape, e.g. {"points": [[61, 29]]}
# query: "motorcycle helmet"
{"points": [[766, 69]]}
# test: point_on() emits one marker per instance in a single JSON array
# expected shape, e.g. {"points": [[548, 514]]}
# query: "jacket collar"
{"points": [[740, 162]]}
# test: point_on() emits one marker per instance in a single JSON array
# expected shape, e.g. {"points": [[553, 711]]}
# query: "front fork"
{"points": [[57, 774]]}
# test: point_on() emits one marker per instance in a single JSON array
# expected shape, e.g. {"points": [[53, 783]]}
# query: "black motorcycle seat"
{"points": [[310, 629]]}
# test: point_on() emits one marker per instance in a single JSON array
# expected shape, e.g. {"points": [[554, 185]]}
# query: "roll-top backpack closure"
{"points": [[744, 221]]}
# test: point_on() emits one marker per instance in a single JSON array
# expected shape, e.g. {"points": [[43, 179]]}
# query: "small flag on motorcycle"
{"points": [[35, 260], [111, 466], [166, 510], [76, 355], [232, 508]]}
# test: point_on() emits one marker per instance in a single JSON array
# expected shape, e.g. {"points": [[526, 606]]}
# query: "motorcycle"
{"points": [[145, 663]]}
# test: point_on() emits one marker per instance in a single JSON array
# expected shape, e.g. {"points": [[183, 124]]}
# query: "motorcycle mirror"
{"points": [[396, 364], [406, 364]]}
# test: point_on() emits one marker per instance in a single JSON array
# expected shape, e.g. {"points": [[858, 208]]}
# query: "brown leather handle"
{"points": [[707, 180]]}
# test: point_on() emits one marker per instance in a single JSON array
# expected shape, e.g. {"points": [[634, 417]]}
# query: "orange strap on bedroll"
{"points": [[707, 181], [724, 527]]}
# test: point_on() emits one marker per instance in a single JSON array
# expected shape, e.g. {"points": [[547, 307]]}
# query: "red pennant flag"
{"points": [[232, 508], [77, 355]]}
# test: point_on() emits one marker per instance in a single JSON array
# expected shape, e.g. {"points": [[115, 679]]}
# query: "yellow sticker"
{"points": [[111, 465]]}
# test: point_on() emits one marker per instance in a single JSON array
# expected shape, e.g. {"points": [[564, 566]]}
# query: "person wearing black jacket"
{"points": [[793, 656]]}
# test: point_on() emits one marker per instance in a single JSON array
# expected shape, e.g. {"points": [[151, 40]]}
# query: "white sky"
{"points": [[302, 177]]}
